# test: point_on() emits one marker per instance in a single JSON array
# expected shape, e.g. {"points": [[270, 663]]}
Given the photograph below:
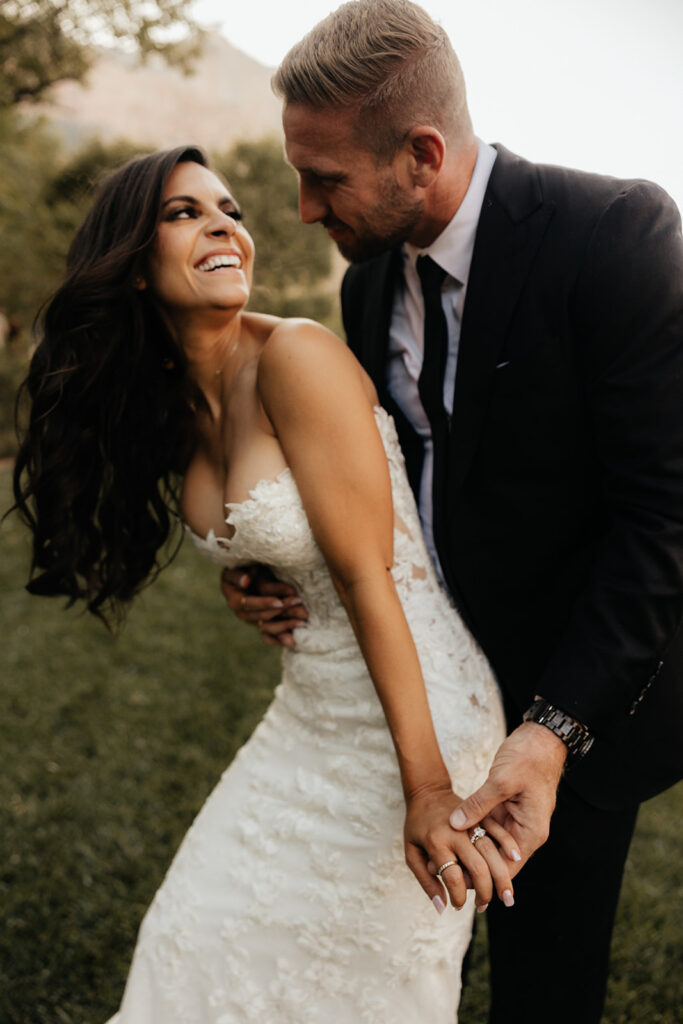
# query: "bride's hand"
{"points": [[429, 839]]}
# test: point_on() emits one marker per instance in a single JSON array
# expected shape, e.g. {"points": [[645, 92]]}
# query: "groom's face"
{"points": [[366, 207]]}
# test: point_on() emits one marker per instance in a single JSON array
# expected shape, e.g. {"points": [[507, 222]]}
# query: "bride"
{"points": [[289, 899]]}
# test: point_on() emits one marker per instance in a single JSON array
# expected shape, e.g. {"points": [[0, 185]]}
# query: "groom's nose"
{"points": [[312, 205]]}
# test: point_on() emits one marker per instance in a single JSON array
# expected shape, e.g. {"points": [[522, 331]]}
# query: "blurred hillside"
{"points": [[226, 98]]}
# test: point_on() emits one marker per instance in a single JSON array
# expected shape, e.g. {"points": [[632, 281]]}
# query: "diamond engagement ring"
{"points": [[448, 864], [477, 833]]}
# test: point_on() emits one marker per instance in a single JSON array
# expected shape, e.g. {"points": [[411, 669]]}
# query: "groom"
{"points": [[524, 326]]}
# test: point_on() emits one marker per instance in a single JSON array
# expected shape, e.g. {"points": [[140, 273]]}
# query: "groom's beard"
{"points": [[378, 228]]}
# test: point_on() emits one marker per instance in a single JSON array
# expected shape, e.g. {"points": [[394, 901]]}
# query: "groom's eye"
{"points": [[328, 183], [326, 180]]}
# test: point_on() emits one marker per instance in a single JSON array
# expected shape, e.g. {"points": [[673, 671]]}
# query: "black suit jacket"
{"points": [[561, 534]]}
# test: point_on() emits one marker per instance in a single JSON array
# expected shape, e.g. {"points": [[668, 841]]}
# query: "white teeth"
{"points": [[220, 261]]}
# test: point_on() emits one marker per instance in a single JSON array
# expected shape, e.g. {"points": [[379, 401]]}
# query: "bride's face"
{"points": [[202, 258]]}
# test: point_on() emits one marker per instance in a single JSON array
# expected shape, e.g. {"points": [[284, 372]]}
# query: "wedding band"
{"points": [[243, 603], [448, 864], [260, 623], [477, 833]]}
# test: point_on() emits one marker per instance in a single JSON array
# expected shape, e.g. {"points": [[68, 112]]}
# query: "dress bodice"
{"points": [[271, 528]]}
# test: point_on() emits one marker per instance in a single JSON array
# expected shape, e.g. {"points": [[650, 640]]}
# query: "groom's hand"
{"points": [[521, 788], [431, 843], [258, 599]]}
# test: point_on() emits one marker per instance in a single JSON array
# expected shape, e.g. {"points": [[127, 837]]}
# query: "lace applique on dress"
{"points": [[289, 901]]}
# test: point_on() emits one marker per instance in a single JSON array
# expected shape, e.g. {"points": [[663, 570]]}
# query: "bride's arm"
{"points": [[320, 404]]}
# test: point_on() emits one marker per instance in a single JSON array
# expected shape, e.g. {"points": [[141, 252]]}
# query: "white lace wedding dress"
{"points": [[289, 901]]}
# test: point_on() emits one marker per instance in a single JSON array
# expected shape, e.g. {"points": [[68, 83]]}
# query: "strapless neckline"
{"points": [[256, 493], [262, 488]]}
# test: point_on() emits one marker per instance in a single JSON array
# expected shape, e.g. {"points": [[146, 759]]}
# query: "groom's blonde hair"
{"points": [[387, 59]]}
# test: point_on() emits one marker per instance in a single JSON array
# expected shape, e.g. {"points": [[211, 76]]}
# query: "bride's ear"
{"points": [[427, 151]]}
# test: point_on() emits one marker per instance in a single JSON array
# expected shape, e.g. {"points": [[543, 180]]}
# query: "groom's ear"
{"points": [[426, 151]]}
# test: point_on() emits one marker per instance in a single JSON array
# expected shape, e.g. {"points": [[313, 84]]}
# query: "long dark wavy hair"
{"points": [[111, 424]]}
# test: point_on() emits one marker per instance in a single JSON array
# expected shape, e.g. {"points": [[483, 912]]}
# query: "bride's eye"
{"points": [[182, 213]]}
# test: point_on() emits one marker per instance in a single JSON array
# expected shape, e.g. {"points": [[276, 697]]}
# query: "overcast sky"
{"points": [[596, 84]]}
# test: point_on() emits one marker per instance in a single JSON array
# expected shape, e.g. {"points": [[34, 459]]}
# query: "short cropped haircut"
{"points": [[389, 60]]}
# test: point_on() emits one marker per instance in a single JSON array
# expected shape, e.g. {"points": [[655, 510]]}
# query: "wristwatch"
{"points": [[573, 734]]}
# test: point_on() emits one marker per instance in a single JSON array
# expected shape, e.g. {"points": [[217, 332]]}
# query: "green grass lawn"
{"points": [[110, 746]]}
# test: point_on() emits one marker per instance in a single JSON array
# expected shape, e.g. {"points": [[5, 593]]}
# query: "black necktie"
{"points": [[430, 386], [430, 383]]}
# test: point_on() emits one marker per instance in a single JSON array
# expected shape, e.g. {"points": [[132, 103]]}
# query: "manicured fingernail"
{"points": [[515, 855], [508, 898], [244, 581], [439, 904], [278, 604], [292, 601], [480, 910], [458, 818]]}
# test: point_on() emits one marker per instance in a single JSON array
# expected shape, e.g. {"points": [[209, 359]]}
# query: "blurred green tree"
{"points": [[42, 202], [31, 243], [44, 41]]}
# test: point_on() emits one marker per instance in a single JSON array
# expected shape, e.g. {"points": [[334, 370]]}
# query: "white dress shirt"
{"points": [[452, 250]]}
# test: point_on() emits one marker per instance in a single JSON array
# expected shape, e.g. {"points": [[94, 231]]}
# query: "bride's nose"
{"points": [[221, 224]]}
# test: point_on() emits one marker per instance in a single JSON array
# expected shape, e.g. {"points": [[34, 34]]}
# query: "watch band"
{"points": [[573, 734]]}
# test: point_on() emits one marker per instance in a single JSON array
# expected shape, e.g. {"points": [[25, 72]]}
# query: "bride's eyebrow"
{"points": [[180, 199]]}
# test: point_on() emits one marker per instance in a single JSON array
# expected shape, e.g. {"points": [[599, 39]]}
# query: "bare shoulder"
{"points": [[300, 351], [299, 338]]}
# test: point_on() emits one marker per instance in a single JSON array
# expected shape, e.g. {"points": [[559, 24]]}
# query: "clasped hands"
{"points": [[514, 804]]}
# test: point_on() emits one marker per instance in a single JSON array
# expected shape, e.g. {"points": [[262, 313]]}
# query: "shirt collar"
{"points": [[453, 248]]}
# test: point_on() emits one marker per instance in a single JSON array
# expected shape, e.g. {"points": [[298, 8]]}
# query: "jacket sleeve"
{"points": [[627, 312]]}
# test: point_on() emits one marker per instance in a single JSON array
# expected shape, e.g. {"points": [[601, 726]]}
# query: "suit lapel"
{"points": [[513, 221], [383, 277], [377, 319]]}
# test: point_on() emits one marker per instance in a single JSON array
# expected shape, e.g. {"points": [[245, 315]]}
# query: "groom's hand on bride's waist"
{"points": [[260, 600], [521, 788]]}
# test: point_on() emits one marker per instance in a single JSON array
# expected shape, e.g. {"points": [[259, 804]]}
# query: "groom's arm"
{"points": [[627, 317]]}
